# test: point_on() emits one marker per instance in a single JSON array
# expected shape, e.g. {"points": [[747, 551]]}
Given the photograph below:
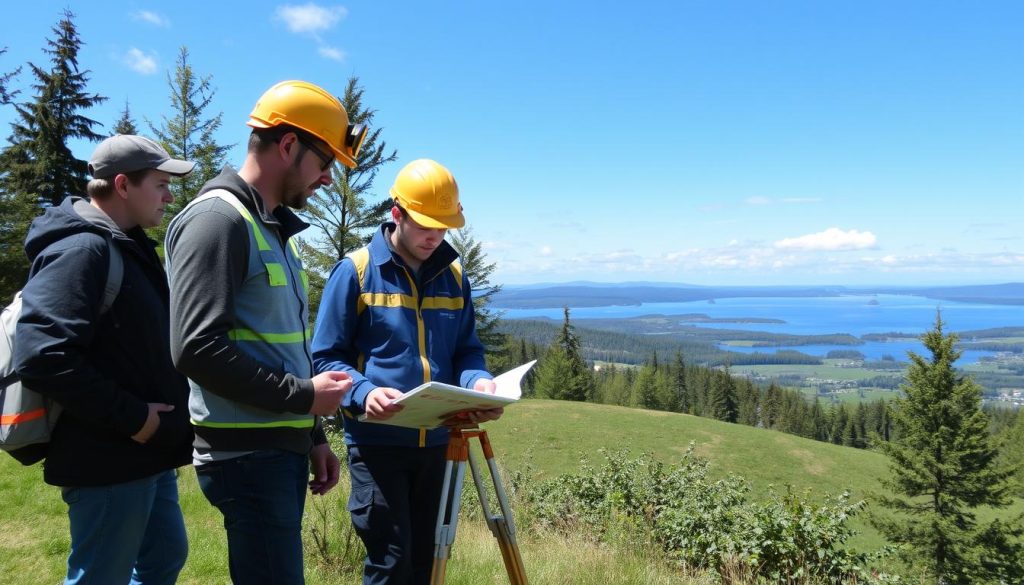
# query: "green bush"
{"points": [[705, 525]]}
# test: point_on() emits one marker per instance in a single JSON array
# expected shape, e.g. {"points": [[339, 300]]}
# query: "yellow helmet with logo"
{"points": [[428, 192], [311, 108]]}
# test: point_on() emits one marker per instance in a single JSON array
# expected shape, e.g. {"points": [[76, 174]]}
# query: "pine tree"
{"points": [[551, 374], [723, 397], [645, 389], [682, 398], [771, 406], [189, 135], [37, 169], [1012, 454], [38, 163], [664, 395], [347, 212], [125, 124], [943, 468], [563, 374], [15, 213], [840, 419], [7, 95], [476, 267], [614, 388], [818, 422], [748, 398]]}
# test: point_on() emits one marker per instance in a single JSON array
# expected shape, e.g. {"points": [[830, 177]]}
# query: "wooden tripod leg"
{"points": [[448, 511], [502, 525]]}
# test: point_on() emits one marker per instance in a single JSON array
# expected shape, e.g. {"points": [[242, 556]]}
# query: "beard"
{"points": [[294, 193], [295, 200]]}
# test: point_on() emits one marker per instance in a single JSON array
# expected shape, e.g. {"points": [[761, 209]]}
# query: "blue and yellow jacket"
{"points": [[389, 327]]}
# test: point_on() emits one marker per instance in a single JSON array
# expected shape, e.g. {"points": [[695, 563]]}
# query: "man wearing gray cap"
{"points": [[124, 426]]}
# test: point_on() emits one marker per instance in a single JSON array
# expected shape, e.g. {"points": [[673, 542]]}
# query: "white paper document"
{"points": [[430, 404]]}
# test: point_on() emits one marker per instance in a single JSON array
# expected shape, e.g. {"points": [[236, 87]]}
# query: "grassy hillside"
{"points": [[543, 438], [551, 437]]}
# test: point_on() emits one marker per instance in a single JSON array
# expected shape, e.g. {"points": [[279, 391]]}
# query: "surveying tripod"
{"points": [[501, 525]]}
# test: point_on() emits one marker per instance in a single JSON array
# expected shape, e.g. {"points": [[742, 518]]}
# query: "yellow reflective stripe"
{"points": [[303, 276], [250, 335], [388, 300], [361, 259], [261, 242], [275, 273], [396, 300], [293, 424], [443, 303], [456, 268], [423, 437]]}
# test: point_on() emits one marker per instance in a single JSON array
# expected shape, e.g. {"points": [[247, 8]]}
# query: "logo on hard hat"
{"points": [[445, 201]]}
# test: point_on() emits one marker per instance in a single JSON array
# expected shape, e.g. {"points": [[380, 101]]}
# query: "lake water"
{"points": [[853, 314]]}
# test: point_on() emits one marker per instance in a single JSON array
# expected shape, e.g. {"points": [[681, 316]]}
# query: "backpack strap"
{"points": [[115, 274]]}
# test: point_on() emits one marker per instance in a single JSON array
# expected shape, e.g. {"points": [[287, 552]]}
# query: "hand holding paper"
{"points": [[433, 404]]}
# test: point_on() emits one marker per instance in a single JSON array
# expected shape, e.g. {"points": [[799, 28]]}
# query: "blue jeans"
{"points": [[396, 494], [128, 532], [261, 496]]}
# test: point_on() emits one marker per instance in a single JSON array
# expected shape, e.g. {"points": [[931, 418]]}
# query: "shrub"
{"points": [[703, 524]]}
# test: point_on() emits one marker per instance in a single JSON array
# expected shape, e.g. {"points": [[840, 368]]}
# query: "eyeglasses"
{"points": [[326, 160]]}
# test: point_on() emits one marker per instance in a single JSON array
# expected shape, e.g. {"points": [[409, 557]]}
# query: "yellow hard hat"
{"points": [[428, 192], [311, 108]]}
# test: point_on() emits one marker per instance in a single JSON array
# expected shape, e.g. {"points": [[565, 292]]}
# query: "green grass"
{"points": [[823, 371], [544, 438]]}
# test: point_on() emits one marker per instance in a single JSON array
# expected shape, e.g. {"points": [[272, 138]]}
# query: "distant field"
{"points": [[851, 397], [827, 370]]}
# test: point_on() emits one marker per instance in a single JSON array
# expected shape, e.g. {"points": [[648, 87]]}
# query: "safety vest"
{"points": [[271, 324]]}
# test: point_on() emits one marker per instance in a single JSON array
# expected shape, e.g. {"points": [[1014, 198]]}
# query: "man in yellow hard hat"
{"points": [[240, 331], [395, 314]]}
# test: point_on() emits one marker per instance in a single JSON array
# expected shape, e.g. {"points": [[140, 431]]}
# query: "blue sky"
{"points": [[749, 143]]}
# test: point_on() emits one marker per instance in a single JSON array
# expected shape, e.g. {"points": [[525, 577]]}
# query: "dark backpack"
{"points": [[27, 417]]}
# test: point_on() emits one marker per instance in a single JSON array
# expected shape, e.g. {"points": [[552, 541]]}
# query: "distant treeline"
{"points": [[681, 329], [845, 354], [676, 386], [691, 378], [592, 295], [626, 294], [635, 348], [1011, 347]]}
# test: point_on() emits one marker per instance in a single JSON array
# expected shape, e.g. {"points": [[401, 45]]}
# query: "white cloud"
{"points": [[758, 200], [831, 239], [332, 53], [310, 18], [152, 18], [546, 251], [801, 200], [140, 62]]}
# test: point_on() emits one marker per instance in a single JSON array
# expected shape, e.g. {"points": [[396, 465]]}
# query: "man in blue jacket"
{"points": [[124, 426], [394, 315]]}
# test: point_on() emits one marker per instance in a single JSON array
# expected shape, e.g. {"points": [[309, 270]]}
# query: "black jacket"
{"points": [[102, 370]]}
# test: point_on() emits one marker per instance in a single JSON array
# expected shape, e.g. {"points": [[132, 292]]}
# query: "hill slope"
{"points": [[551, 437]]}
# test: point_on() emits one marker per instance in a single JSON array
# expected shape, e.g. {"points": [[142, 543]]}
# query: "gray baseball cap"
{"points": [[126, 153]]}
